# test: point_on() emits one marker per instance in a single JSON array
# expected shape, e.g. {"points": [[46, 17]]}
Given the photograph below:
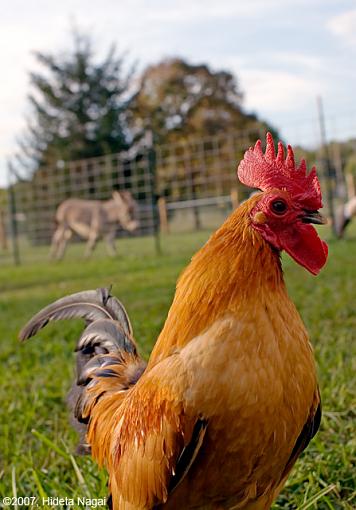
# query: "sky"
{"points": [[284, 53]]}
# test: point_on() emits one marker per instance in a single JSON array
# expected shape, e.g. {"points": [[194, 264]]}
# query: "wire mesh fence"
{"points": [[196, 179], [173, 188], [109, 192]]}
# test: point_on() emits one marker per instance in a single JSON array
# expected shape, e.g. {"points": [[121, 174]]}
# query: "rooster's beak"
{"points": [[313, 217]]}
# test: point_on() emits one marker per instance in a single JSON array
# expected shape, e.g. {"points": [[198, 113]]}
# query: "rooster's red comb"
{"points": [[268, 171]]}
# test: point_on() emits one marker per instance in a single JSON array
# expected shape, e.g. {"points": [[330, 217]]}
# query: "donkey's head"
{"points": [[125, 210]]}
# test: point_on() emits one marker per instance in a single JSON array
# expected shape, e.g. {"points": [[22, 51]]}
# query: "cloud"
{"points": [[188, 12], [276, 90], [303, 61], [343, 26]]}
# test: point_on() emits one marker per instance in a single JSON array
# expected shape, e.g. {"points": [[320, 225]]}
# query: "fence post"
{"points": [[153, 192], [163, 218], [3, 237], [234, 194], [327, 165], [13, 220]]}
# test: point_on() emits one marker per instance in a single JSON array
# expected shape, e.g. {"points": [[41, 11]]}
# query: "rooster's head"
{"points": [[288, 204]]}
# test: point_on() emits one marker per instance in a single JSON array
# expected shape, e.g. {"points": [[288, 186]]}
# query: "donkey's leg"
{"points": [[56, 240], [110, 243], [67, 234], [54, 243], [93, 239]]}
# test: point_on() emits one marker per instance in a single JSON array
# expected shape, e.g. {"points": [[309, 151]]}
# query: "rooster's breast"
{"points": [[254, 380]]}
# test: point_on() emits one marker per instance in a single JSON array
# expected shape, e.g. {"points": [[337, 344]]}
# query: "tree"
{"points": [[177, 99], [186, 107], [78, 107]]}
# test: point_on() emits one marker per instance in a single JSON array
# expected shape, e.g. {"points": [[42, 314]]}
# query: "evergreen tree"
{"points": [[78, 107]]}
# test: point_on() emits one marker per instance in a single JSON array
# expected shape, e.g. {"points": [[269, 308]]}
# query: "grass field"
{"points": [[36, 441]]}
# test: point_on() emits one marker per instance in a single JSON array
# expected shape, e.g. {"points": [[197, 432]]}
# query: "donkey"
{"points": [[344, 215], [93, 219]]}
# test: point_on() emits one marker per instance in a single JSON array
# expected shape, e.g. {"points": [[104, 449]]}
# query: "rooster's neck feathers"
{"points": [[234, 268]]}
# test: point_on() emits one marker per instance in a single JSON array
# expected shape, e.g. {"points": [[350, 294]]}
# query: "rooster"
{"points": [[229, 397]]}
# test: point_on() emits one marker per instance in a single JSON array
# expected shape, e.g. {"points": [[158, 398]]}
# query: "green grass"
{"points": [[36, 440]]}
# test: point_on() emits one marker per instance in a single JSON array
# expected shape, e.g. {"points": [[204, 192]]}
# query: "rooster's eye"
{"points": [[279, 206]]}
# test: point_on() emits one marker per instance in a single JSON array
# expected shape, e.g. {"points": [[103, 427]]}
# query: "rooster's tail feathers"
{"points": [[107, 358], [89, 305]]}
